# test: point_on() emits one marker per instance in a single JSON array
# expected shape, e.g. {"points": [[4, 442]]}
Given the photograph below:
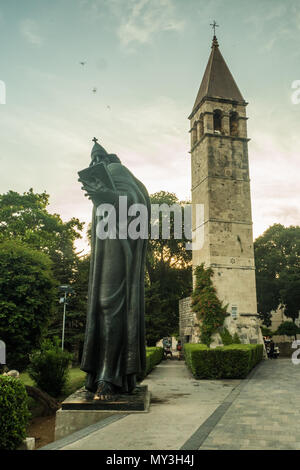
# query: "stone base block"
{"points": [[28, 444], [80, 410]]}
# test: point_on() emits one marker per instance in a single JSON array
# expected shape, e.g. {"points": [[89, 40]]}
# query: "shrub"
{"points": [[14, 413], [288, 328], [236, 339], [154, 356], [49, 367], [226, 362], [226, 337]]}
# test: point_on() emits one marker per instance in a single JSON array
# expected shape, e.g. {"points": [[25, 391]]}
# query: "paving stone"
{"points": [[265, 415]]}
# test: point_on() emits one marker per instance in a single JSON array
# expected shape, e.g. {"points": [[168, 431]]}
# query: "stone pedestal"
{"points": [[80, 409]]}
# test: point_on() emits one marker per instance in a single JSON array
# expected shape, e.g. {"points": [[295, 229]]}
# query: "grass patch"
{"points": [[76, 379]]}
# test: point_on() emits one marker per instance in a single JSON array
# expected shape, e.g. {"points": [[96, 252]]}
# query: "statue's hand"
{"points": [[91, 187], [98, 192]]}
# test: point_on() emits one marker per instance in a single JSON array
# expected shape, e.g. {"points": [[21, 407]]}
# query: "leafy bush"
{"points": [[209, 309], [154, 356], [49, 367], [288, 328], [226, 337], [226, 362], [14, 413]]}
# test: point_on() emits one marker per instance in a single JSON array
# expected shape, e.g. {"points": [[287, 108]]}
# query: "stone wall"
{"points": [[188, 329], [247, 327], [221, 186]]}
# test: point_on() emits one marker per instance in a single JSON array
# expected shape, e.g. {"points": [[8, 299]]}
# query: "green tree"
{"points": [[205, 303], [277, 257], [27, 295], [168, 276], [25, 217]]}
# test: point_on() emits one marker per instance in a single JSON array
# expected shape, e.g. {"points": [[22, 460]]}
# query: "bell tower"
{"points": [[221, 184]]}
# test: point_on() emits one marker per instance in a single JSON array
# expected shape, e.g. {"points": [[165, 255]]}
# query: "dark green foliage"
{"points": [[161, 303], [49, 367], [226, 337], [226, 362], [205, 303], [75, 311], [277, 260], [236, 339], [288, 328], [168, 277], [153, 357], [266, 331], [24, 217], [26, 300], [14, 413]]}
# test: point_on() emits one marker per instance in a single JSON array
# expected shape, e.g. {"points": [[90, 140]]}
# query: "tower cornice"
{"points": [[220, 136]]}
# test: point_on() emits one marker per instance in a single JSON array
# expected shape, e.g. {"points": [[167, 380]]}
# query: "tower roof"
{"points": [[217, 81]]}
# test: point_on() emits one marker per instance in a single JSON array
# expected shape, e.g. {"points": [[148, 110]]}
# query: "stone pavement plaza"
{"points": [[260, 412]]}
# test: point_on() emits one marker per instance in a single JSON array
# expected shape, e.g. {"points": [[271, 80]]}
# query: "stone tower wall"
{"points": [[221, 183]]}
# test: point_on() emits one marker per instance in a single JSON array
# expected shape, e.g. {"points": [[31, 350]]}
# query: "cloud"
{"points": [[146, 18], [30, 31]]}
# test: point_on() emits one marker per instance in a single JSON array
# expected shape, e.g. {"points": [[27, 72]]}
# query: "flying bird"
{"points": [[82, 63], [94, 90]]}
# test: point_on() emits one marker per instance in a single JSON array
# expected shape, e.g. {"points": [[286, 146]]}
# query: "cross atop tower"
{"points": [[214, 25], [95, 140]]}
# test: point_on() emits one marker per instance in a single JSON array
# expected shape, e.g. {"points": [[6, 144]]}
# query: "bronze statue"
{"points": [[114, 347]]}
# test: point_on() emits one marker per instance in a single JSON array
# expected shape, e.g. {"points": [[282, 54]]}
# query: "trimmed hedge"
{"points": [[226, 362], [153, 357], [14, 413]]}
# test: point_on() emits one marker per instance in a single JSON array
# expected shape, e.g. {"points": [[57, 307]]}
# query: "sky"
{"points": [[146, 59]]}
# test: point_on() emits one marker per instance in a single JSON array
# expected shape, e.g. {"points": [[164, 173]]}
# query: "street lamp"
{"points": [[66, 290]]}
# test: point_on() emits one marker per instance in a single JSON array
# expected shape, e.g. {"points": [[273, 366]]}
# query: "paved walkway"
{"points": [[266, 413], [261, 412]]}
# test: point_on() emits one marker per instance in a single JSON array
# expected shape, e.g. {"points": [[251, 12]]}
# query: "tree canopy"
{"points": [[288, 328], [25, 217], [168, 276], [26, 299], [277, 260]]}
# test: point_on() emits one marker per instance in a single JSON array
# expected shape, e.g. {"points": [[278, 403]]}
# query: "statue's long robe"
{"points": [[114, 347]]}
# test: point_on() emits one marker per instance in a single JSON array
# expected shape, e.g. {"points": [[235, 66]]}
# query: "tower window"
{"points": [[234, 124], [217, 121], [234, 312]]}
